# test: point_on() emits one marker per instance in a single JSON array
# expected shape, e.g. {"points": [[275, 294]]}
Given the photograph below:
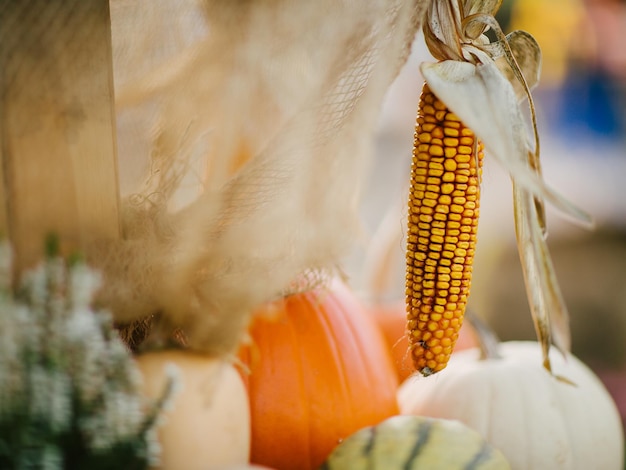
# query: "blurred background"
{"points": [[581, 106]]}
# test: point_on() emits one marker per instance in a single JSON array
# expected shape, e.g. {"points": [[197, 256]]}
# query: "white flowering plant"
{"points": [[68, 386]]}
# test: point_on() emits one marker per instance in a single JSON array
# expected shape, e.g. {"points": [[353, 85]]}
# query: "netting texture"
{"points": [[244, 130]]}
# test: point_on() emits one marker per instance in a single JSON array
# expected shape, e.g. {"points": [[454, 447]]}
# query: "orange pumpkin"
{"points": [[391, 319], [319, 371]]}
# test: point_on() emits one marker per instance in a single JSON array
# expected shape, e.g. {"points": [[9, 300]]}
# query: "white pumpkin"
{"points": [[207, 423], [535, 419]]}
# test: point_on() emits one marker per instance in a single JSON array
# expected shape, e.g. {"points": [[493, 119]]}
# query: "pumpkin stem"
{"points": [[487, 339]]}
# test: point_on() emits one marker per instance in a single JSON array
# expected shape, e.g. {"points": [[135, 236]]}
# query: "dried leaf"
{"points": [[528, 57], [473, 7], [441, 31], [547, 305], [485, 101], [489, 7]]}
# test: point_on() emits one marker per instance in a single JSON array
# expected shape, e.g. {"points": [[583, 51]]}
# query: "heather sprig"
{"points": [[68, 386]]}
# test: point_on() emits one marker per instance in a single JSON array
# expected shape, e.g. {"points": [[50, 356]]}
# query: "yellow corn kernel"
{"points": [[444, 213]]}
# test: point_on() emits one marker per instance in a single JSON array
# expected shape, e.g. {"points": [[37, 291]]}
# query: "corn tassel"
{"points": [[442, 224]]}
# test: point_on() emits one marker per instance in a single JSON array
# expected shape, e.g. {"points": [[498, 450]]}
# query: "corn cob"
{"points": [[442, 223]]}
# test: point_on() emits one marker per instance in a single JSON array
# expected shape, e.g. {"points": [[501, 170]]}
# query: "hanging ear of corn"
{"points": [[442, 224], [485, 83]]}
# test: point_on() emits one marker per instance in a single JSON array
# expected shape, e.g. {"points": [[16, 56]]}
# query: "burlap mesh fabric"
{"points": [[244, 129]]}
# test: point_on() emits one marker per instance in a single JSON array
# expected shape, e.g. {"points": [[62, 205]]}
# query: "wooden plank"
{"points": [[57, 125]]}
